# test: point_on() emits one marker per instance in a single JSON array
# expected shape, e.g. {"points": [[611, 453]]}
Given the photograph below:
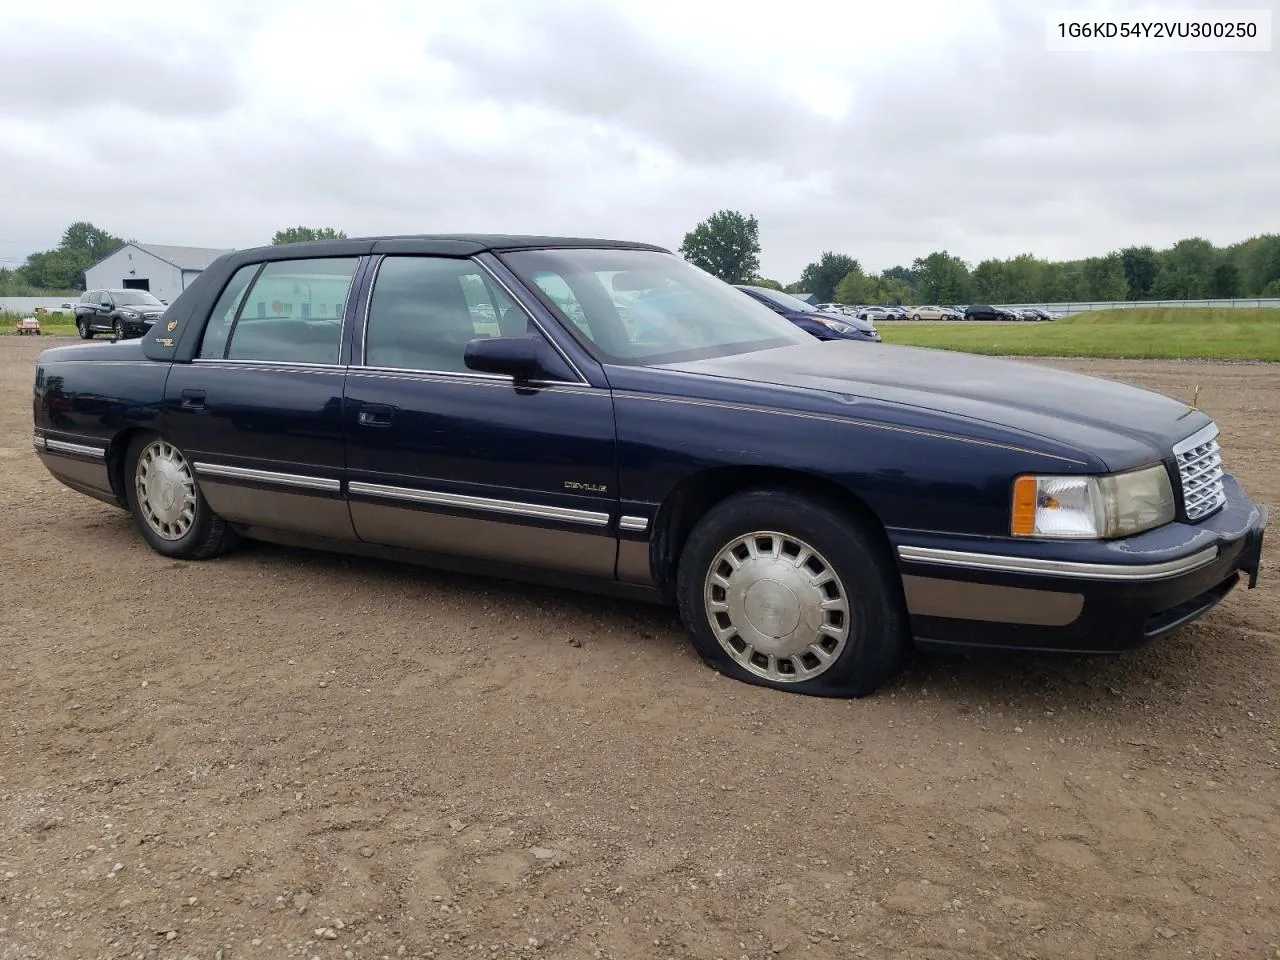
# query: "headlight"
{"points": [[1117, 505], [835, 325], [132, 315]]}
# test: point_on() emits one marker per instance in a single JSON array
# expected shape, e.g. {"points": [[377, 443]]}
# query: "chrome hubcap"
{"points": [[777, 607], [166, 490]]}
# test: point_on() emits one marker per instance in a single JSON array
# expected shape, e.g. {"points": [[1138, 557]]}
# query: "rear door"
{"points": [[259, 410], [446, 460]]}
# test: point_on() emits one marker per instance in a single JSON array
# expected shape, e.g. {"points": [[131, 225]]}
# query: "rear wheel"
{"points": [[83, 328], [785, 591], [167, 506]]}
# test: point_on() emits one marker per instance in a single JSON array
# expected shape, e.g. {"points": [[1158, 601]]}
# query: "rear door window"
{"points": [[292, 312]]}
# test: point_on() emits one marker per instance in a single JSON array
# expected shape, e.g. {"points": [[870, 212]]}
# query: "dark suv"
{"points": [[125, 313]]}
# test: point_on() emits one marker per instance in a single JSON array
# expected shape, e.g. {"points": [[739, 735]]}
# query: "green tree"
{"points": [[988, 282], [853, 287], [941, 278], [55, 270], [1225, 281], [907, 276], [1020, 279], [823, 275], [1103, 278], [1258, 260], [303, 234], [726, 245], [62, 268], [766, 282], [1140, 267], [84, 241], [1055, 283], [1186, 270], [857, 287]]}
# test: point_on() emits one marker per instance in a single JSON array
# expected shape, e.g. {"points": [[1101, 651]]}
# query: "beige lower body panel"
{"points": [[319, 516], [960, 600], [86, 473], [589, 554], [633, 562]]}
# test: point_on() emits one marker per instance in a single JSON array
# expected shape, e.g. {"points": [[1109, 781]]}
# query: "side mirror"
{"points": [[510, 356]]}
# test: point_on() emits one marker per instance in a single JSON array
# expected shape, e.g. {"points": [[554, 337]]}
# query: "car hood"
{"points": [[146, 309], [1121, 425]]}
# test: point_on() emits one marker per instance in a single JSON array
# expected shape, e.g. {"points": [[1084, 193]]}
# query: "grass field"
{"points": [[1166, 334]]}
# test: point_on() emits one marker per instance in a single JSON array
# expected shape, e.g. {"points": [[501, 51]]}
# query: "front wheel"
{"points": [[167, 506], [786, 591], [118, 328], [83, 328]]}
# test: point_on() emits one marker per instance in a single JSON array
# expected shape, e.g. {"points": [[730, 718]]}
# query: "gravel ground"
{"points": [[288, 754]]}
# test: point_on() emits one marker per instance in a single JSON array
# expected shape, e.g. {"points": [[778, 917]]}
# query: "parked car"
{"points": [[808, 507], [824, 325], [984, 311], [930, 313], [872, 314], [836, 308], [124, 313], [897, 313]]}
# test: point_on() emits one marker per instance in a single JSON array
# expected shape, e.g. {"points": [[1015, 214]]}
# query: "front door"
{"points": [[259, 411], [446, 460]]}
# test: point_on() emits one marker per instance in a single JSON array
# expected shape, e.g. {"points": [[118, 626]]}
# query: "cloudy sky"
{"points": [[884, 130]]}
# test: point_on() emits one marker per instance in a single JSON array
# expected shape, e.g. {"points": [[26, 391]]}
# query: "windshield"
{"points": [[785, 300], [136, 298], [644, 307]]}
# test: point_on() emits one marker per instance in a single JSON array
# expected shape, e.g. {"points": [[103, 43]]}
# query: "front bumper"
{"points": [[137, 327], [1085, 597]]}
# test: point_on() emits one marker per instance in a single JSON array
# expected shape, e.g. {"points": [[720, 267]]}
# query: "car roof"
{"points": [[442, 244]]}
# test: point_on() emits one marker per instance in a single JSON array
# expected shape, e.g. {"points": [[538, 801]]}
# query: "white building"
{"points": [[164, 271]]}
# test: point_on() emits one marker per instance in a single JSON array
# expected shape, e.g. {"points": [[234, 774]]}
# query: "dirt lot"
{"points": [[282, 754]]}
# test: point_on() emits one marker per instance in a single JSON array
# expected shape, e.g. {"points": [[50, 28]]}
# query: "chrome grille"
{"points": [[1200, 468]]}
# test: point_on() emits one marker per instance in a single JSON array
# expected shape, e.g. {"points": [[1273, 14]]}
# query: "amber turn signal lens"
{"points": [[1024, 506]]}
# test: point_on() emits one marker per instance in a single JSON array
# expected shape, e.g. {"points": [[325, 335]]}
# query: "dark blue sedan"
{"points": [[823, 325], [604, 415]]}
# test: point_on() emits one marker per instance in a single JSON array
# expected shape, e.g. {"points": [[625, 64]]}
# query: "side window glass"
{"points": [[293, 312], [424, 310], [214, 343]]}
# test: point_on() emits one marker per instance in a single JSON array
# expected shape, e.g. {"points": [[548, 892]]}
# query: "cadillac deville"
{"points": [[493, 405]]}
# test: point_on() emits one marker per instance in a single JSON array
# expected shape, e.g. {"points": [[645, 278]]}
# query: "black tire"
{"points": [[208, 535], [118, 328], [83, 328], [876, 639]]}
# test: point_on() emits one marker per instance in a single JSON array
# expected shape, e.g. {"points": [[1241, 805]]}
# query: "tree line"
{"points": [[82, 245], [727, 245]]}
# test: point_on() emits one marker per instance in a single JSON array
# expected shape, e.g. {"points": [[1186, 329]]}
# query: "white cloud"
{"points": [[885, 131]]}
